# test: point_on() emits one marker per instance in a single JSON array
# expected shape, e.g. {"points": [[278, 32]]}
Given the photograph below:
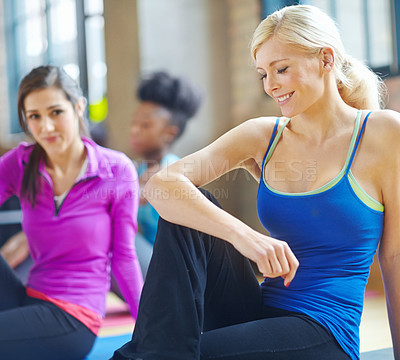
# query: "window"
{"points": [[366, 26], [68, 33], [95, 60]]}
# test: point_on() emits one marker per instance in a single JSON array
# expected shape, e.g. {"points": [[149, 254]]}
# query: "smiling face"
{"points": [[293, 78], [53, 120]]}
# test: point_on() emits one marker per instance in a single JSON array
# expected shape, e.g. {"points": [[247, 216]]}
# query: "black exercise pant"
{"points": [[35, 329], [201, 300]]}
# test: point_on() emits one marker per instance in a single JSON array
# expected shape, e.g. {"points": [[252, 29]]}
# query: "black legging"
{"points": [[35, 329], [201, 300]]}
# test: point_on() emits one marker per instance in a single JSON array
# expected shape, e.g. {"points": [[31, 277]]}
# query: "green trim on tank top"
{"points": [[361, 194]]}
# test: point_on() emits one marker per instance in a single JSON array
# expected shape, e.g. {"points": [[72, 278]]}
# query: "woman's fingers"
{"points": [[293, 264], [273, 257], [278, 260]]}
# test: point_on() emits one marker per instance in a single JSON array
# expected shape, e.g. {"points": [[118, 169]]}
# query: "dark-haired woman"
{"points": [[166, 105], [79, 203]]}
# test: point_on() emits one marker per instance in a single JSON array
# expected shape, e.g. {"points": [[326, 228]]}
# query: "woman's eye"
{"points": [[263, 76], [57, 112], [282, 70], [33, 117]]}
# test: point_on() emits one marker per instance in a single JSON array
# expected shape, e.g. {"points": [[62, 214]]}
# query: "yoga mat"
{"points": [[117, 314], [104, 347], [118, 320], [384, 354]]}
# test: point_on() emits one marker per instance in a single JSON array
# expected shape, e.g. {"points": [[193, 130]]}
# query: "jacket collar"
{"points": [[97, 164]]}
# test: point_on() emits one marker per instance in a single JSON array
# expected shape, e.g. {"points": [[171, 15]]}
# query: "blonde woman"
{"points": [[201, 299]]}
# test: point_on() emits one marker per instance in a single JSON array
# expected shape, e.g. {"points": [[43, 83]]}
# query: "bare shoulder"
{"points": [[382, 135], [259, 125], [257, 132], [384, 125]]}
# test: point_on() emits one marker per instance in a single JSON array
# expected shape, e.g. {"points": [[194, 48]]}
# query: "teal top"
{"points": [[147, 215], [334, 232]]}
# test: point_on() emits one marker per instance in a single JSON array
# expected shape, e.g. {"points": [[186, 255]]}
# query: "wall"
{"points": [[243, 96], [174, 37], [123, 67]]}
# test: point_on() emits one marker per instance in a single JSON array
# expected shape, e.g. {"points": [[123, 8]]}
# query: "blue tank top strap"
{"points": [[272, 138], [357, 142]]}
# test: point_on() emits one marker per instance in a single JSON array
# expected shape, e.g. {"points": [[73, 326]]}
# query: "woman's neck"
{"points": [[324, 119], [73, 158]]}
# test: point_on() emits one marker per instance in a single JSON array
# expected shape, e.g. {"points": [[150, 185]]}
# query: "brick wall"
{"points": [[246, 100]]}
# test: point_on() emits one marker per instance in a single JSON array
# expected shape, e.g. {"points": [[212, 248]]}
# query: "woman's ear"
{"points": [[327, 56], [80, 106]]}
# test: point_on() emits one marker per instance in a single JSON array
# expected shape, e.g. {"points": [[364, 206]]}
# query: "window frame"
{"points": [[11, 132], [385, 71]]}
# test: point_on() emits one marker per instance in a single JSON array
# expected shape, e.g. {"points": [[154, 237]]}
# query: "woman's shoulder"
{"points": [[387, 116], [264, 122], [23, 148], [247, 140], [110, 161], [105, 154], [12, 165], [20, 153], [258, 131], [382, 133], [260, 128], [381, 143], [384, 126]]}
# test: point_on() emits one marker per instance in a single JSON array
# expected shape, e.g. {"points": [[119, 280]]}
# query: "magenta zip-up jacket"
{"points": [[75, 246]]}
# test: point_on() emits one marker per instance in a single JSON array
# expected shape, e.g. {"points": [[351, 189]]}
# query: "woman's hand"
{"points": [[273, 257]]}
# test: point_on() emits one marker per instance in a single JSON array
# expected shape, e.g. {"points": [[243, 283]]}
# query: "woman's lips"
{"points": [[50, 139], [284, 98]]}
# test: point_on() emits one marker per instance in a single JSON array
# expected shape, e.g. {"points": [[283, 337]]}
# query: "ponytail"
{"points": [[29, 186], [359, 86]]}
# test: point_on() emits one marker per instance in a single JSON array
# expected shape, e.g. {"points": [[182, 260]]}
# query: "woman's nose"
{"points": [[47, 124], [134, 130], [270, 85]]}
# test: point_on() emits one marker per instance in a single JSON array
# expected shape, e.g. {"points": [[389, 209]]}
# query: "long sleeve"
{"points": [[11, 172], [125, 264]]}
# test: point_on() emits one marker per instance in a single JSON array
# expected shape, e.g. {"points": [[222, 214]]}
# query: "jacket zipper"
{"points": [[58, 208]]}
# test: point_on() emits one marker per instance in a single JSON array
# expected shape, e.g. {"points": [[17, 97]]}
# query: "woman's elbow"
{"points": [[153, 188]]}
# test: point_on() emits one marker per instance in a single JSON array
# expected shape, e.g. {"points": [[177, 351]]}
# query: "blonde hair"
{"points": [[310, 29]]}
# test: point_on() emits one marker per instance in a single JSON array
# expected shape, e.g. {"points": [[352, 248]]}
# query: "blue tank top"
{"points": [[334, 232]]}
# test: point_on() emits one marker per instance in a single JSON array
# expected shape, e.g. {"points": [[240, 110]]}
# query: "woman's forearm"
{"points": [[179, 201], [391, 276]]}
